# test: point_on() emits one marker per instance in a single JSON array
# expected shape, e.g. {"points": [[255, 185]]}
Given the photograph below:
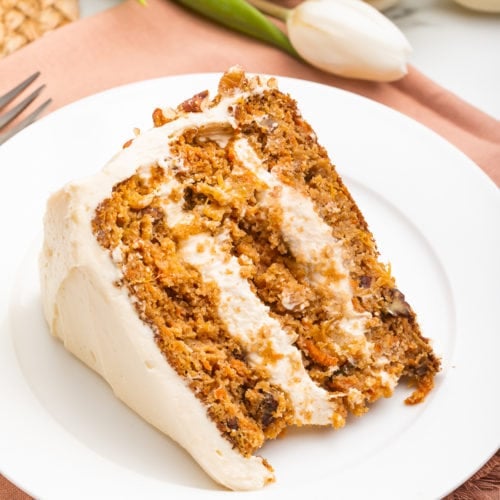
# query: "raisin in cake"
{"points": [[219, 276]]}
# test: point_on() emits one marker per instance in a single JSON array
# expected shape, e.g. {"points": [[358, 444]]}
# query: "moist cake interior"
{"points": [[248, 258]]}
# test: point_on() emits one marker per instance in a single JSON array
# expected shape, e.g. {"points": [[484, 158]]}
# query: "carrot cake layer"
{"points": [[257, 295]]}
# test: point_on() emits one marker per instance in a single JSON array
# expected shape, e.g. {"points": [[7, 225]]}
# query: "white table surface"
{"points": [[456, 47]]}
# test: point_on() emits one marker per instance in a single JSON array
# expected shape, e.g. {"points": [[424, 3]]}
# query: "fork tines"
{"points": [[20, 107]]}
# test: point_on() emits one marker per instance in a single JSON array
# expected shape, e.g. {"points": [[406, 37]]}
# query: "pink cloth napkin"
{"points": [[130, 42]]}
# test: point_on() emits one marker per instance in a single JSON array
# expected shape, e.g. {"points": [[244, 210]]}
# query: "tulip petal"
{"points": [[349, 38]]}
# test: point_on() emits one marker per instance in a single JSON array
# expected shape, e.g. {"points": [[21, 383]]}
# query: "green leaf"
{"points": [[241, 16]]}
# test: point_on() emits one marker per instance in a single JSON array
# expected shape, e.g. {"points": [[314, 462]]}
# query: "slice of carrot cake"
{"points": [[219, 276]]}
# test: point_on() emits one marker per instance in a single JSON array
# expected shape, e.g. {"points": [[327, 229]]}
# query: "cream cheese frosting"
{"points": [[98, 321]]}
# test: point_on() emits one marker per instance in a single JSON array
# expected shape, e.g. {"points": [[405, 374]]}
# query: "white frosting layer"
{"points": [[311, 242], [309, 238], [248, 319]]}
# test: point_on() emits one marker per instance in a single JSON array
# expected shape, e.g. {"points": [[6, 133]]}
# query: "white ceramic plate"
{"points": [[435, 216]]}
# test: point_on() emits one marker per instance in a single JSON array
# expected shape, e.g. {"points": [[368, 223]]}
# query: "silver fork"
{"points": [[14, 112]]}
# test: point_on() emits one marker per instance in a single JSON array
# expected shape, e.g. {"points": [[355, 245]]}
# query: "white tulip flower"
{"points": [[349, 38], [346, 37]]}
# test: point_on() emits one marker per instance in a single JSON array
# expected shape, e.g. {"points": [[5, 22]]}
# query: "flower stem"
{"points": [[271, 9], [240, 15]]}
